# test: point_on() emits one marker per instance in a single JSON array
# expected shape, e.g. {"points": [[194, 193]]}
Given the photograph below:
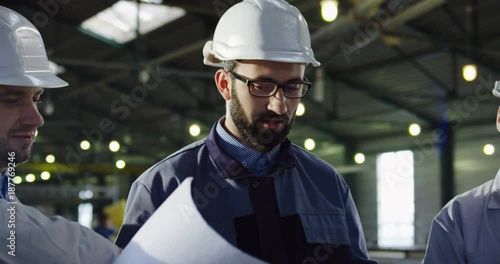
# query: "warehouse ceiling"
{"points": [[385, 65]]}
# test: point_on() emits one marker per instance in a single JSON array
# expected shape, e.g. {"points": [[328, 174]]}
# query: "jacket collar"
{"points": [[233, 169], [494, 202]]}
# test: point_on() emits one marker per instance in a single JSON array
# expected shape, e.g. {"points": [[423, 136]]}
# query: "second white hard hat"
{"points": [[24, 60], [260, 30], [496, 89]]}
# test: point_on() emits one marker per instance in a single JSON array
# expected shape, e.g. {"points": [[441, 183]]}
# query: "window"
{"points": [[395, 199], [119, 22], [85, 214]]}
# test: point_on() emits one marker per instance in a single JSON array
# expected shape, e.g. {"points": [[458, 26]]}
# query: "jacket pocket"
{"points": [[325, 226]]}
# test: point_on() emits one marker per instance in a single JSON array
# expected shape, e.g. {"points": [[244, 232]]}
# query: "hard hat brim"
{"points": [[496, 89], [42, 81], [215, 58], [496, 93]]}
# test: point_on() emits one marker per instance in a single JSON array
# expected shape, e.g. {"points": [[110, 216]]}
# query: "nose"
{"points": [[31, 117], [277, 102]]}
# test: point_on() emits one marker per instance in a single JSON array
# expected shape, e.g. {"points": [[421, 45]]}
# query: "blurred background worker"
{"points": [[104, 227], [24, 73], [467, 230]]}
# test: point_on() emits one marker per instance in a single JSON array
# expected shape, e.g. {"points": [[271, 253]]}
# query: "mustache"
{"points": [[272, 115], [23, 130]]}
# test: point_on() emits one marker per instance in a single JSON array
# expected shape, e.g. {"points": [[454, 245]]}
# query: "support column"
{"points": [[349, 152], [446, 161]]}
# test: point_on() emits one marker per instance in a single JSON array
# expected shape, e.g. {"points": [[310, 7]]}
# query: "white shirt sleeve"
{"points": [[28, 236], [446, 243]]}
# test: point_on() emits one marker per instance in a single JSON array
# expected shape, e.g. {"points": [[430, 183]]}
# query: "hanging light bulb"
{"points": [[309, 144], [489, 149], [329, 10], [85, 145], [49, 107], [120, 164], [194, 130], [469, 72], [359, 158], [414, 129], [301, 109], [114, 146]]}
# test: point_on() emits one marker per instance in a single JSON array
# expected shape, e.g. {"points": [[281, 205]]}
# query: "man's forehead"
{"points": [[7, 89]]}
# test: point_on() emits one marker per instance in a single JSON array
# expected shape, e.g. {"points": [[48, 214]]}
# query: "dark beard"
{"points": [[262, 139], [18, 158]]}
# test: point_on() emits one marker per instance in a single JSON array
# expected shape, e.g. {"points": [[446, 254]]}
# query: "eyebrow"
{"points": [[11, 92], [8, 92], [262, 78]]}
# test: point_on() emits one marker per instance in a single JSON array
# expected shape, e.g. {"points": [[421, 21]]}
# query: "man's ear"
{"points": [[223, 82], [498, 120]]}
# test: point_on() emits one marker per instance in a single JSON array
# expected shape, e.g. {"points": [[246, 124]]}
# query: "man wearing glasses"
{"points": [[466, 230], [264, 195]]}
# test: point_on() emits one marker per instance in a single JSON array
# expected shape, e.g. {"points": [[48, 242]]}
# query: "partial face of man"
{"points": [[19, 119], [498, 120], [263, 122]]}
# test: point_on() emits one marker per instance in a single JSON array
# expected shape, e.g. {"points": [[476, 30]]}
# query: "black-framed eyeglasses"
{"points": [[292, 90]]}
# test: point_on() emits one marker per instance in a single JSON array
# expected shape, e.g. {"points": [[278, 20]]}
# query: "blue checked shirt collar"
{"points": [[259, 164]]}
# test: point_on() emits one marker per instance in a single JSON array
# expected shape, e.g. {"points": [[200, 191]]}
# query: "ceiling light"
{"points": [[329, 10], [414, 130], [48, 107], [359, 158], [309, 144], [194, 130], [45, 175], [30, 177], [319, 85], [56, 68], [127, 139], [17, 180], [86, 194], [489, 149], [85, 145], [469, 72], [119, 22], [114, 146], [50, 158], [120, 164], [301, 109]]}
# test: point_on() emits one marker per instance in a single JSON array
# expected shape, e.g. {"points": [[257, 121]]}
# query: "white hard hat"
{"points": [[270, 30], [24, 59], [496, 90]]}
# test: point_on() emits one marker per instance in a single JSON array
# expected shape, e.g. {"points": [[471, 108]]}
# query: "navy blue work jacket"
{"points": [[301, 212]]}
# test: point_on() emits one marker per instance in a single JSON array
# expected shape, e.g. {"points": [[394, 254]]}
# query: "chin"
{"points": [[23, 154]]}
